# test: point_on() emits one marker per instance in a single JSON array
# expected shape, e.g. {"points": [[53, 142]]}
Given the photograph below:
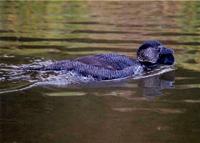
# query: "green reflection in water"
{"points": [[41, 20], [189, 22]]}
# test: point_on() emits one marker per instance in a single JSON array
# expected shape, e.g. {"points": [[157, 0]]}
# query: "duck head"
{"points": [[153, 53]]}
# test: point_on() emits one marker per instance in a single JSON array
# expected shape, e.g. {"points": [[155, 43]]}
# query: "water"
{"points": [[157, 109]]}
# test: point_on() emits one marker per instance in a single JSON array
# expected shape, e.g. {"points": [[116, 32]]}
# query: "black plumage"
{"points": [[112, 66]]}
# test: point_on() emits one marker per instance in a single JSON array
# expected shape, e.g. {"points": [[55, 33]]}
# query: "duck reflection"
{"points": [[146, 88], [154, 86]]}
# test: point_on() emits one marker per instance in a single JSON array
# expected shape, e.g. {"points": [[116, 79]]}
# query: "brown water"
{"points": [[158, 109]]}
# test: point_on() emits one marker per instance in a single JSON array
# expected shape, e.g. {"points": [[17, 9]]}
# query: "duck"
{"points": [[150, 55]]}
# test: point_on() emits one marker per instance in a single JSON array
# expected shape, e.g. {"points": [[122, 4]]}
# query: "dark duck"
{"points": [[150, 55]]}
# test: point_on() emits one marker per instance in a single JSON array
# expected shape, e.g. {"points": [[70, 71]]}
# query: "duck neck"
{"points": [[148, 66]]}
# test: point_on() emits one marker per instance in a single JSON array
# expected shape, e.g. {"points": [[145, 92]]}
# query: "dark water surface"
{"points": [[158, 109]]}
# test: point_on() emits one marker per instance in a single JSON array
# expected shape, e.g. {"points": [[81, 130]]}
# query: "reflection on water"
{"points": [[119, 112], [153, 86]]}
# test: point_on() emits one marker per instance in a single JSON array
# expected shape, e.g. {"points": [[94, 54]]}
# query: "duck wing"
{"points": [[110, 61]]}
